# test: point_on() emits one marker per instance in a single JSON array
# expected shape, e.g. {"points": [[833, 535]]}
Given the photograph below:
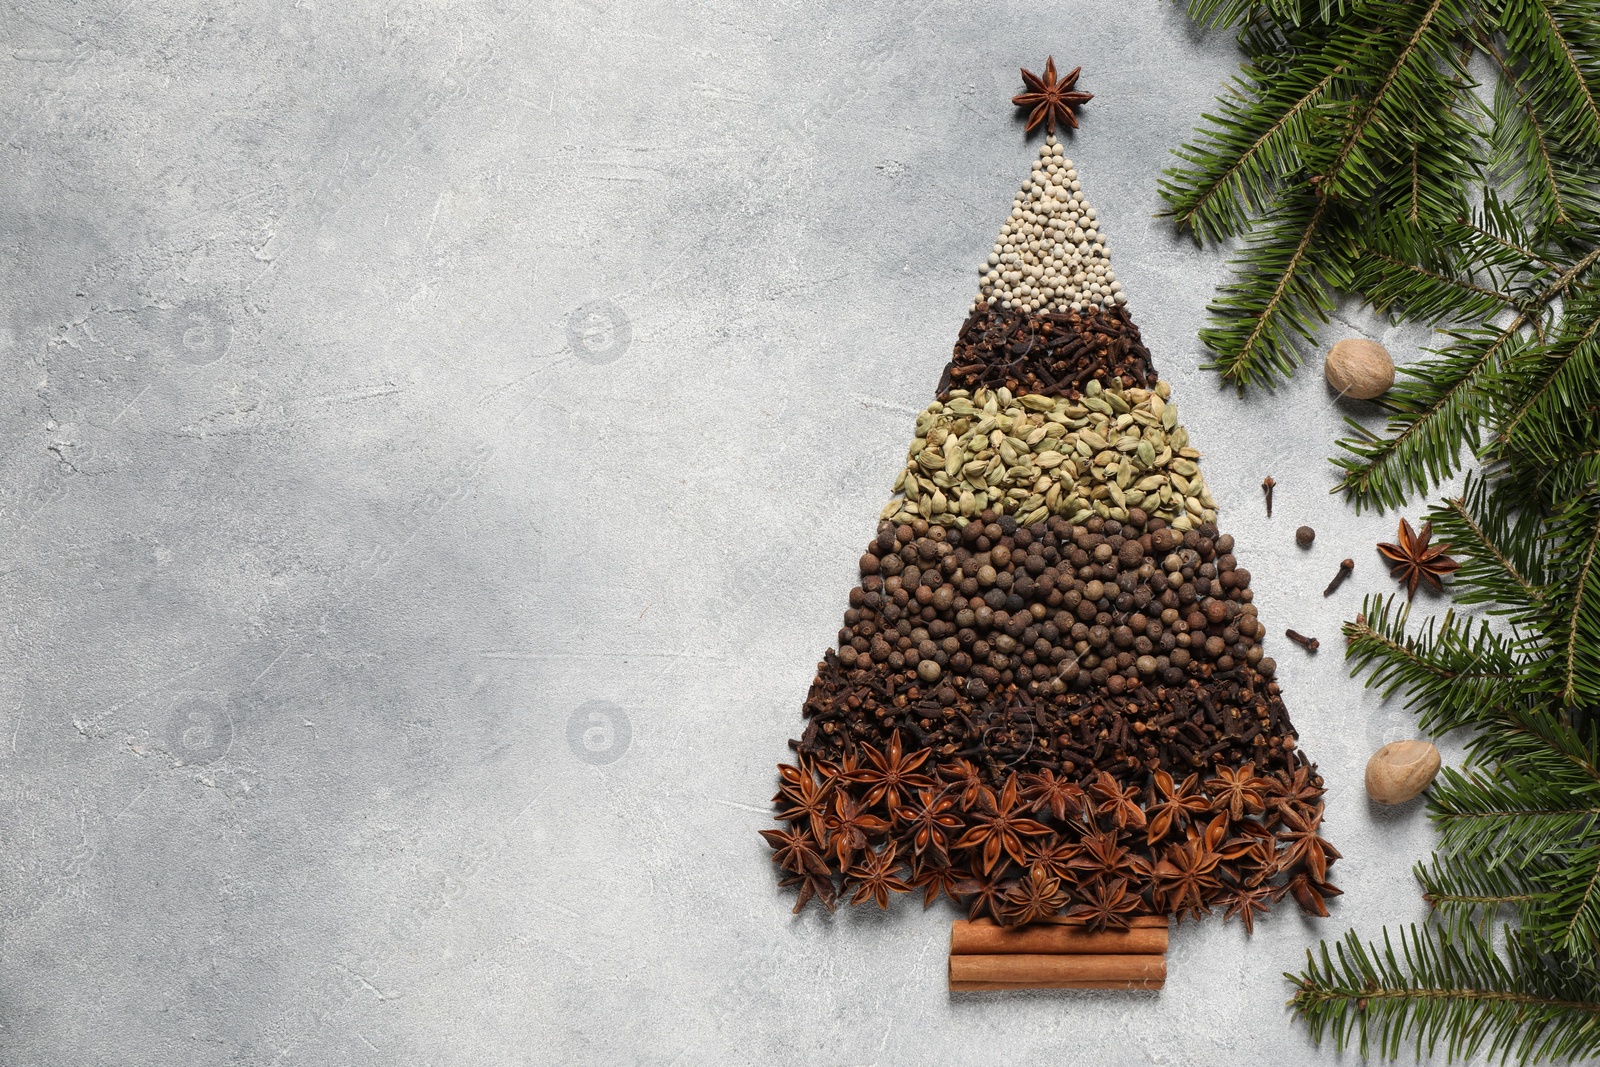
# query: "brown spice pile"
{"points": [[1096, 692], [1048, 353]]}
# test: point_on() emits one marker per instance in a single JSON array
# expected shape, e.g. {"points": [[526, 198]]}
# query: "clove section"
{"points": [[1060, 955]]}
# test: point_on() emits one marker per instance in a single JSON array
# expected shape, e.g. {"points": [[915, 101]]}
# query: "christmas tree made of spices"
{"points": [[1049, 700]]}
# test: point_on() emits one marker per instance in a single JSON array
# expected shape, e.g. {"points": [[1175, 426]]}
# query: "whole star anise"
{"points": [[1414, 560], [1001, 825], [1245, 901], [1050, 99], [986, 894], [875, 877], [934, 875], [1310, 894], [1301, 791], [928, 819], [1046, 792], [1108, 905], [811, 885], [1304, 845], [965, 776], [1176, 806], [1100, 856], [849, 825], [1054, 855], [807, 800], [1184, 876], [1034, 898], [1118, 803], [795, 850], [1238, 792], [887, 775]]}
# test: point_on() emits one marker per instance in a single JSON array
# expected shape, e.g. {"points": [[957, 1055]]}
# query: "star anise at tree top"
{"points": [[1051, 100], [1413, 559]]}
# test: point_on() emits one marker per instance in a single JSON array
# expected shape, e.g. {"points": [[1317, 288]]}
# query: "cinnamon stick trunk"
{"points": [[1057, 971]]}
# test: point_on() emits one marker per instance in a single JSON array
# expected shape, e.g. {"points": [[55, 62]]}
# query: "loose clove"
{"points": [[1338, 579], [1310, 644], [1266, 487]]}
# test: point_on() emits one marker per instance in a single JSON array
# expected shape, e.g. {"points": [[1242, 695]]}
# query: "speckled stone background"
{"points": [[438, 438]]}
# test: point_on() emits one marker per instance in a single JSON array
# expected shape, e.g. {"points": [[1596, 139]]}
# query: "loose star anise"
{"points": [[1300, 791], [1309, 894], [1102, 857], [1413, 559], [1045, 791], [1120, 805], [1053, 854], [888, 774], [1109, 904], [1178, 805], [929, 818], [876, 876], [1050, 99], [1034, 898], [1000, 826]]}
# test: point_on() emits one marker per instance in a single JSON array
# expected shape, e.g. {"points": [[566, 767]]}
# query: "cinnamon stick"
{"points": [[985, 937], [989, 987], [1057, 971]]}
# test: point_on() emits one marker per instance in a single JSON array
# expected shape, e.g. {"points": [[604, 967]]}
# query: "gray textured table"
{"points": [[439, 440]]}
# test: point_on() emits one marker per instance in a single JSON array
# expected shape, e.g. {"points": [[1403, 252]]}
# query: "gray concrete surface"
{"points": [[438, 438]]}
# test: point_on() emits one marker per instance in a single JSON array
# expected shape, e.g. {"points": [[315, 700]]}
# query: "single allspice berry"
{"points": [[1304, 536], [1310, 644], [1338, 579], [1266, 487]]}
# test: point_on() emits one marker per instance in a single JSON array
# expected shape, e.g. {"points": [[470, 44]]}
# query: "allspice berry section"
{"points": [[1359, 368], [1119, 646]]}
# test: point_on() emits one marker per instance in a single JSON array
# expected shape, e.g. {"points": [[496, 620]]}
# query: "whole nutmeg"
{"points": [[1401, 770], [1359, 368]]}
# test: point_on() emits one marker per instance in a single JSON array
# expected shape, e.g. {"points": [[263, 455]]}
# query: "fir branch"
{"points": [[1278, 292], [1566, 86], [1250, 147], [1554, 390], [1523, 151], [1453, 674], [1575, 602], [1467, 893], [1414, 269], [1452, 987], [1442, 409], [1500, 549]]}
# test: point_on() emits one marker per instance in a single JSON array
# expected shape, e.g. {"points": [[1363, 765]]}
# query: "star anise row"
{"points": [[1042, 845]]}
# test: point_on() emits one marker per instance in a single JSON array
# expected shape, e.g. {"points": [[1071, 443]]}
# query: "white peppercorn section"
{"points": [[1050, 255]]}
